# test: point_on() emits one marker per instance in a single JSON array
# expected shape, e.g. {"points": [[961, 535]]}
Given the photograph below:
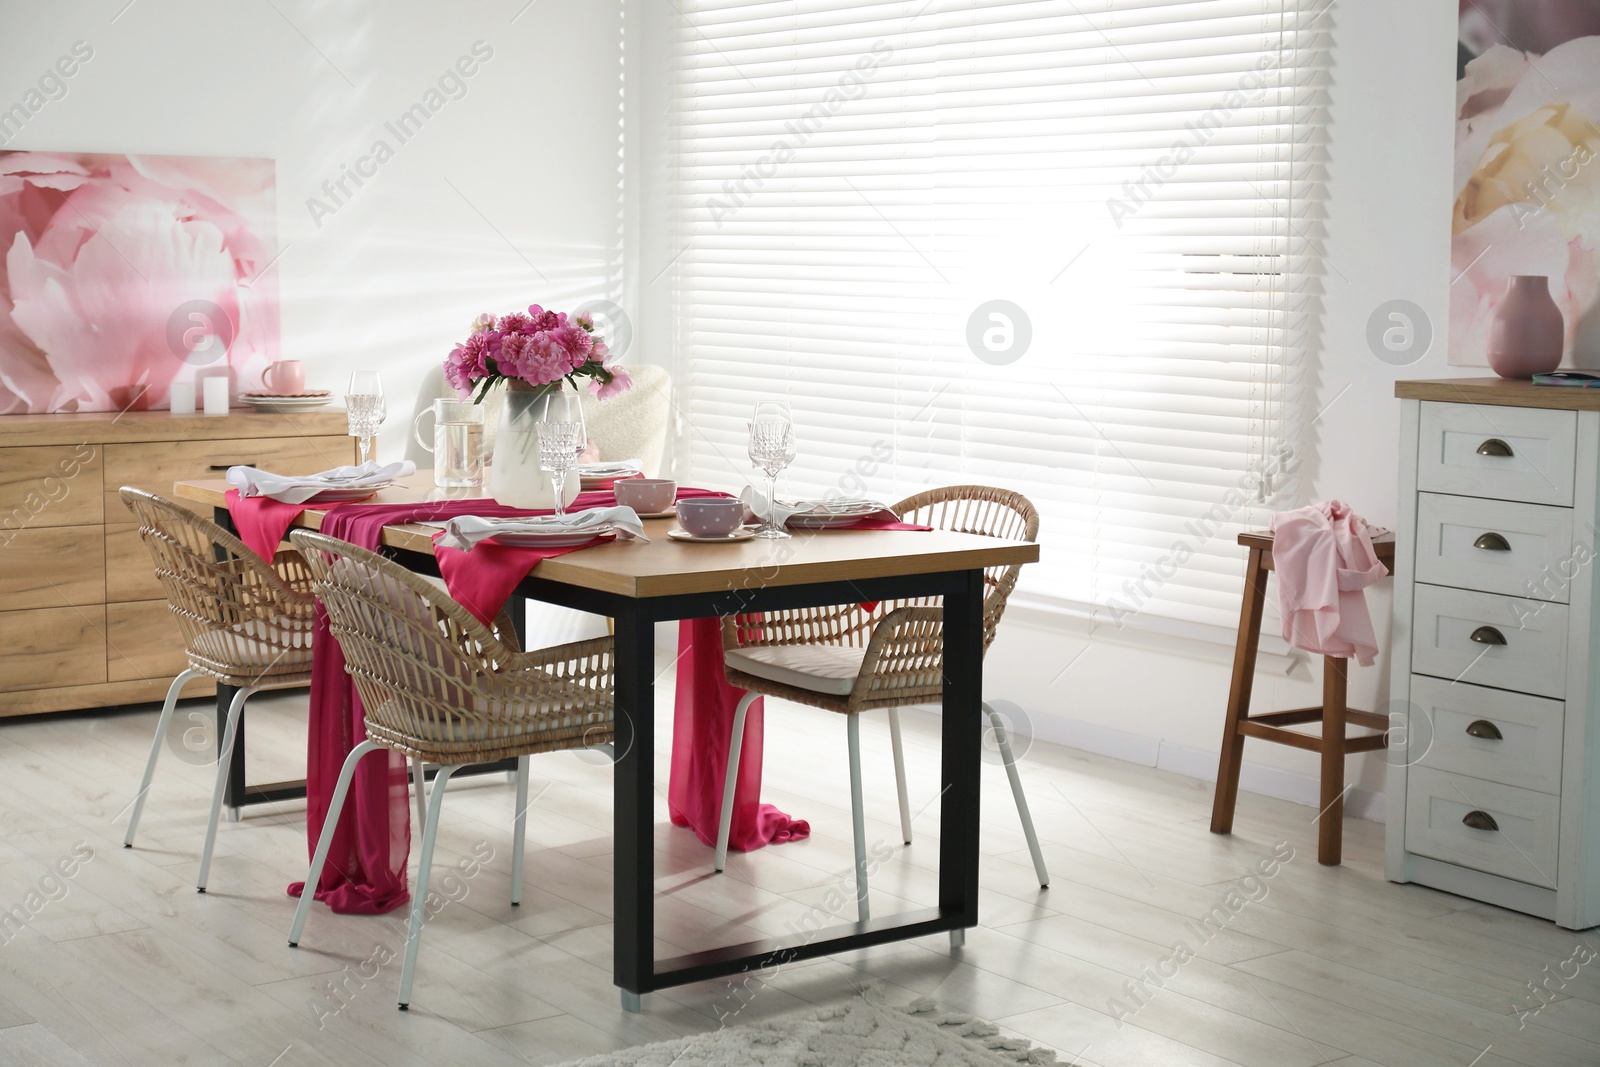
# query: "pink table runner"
{"points": [[366, 872]]}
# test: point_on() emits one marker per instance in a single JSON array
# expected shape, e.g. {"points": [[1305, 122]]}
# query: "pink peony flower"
{"points": [[620, 382], [102, 251], [515, 322], [483, 322]]}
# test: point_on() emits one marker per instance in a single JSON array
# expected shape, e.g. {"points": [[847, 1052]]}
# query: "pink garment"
{"points": [[1324, 559]]}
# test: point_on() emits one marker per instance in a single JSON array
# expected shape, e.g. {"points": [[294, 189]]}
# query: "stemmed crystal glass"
{"points": [[364, 409], [772, 449], [561, 441]]}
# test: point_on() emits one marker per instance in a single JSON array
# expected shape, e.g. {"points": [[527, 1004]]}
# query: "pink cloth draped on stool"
{"points": [[1324, 558]]}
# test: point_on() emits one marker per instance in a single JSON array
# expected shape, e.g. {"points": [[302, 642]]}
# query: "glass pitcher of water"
{"points": [[457, 446]]}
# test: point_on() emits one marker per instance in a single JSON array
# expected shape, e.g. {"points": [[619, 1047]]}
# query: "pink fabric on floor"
{"points": [[1324, 558], [701, 726]]}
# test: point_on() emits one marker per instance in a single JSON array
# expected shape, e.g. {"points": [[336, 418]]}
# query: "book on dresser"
{"points": [[1494, 790], [83, 620]]}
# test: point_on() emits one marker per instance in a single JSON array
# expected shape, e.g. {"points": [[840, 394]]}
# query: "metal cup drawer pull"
{"points": [[1484, 729], [1479, 820], [1488, 635], [1492, 542], [1495, 447]]}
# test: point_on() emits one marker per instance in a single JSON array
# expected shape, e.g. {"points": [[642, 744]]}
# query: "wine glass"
{"points": [[772, 449], [561, 441], [364, 409]]}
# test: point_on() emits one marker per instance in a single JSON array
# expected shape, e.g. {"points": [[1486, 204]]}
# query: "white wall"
{"points": [[508, 195], [1157, 700]]}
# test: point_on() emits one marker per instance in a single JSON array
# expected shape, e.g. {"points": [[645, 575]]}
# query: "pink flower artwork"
{"points": [[122, 274], [1527, 170]]}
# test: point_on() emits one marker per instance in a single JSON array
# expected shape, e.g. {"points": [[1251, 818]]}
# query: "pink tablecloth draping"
{"points": [[366, 872]]}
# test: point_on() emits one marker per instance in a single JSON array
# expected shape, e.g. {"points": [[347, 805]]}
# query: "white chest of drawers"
{"points": [[1494, 778]]}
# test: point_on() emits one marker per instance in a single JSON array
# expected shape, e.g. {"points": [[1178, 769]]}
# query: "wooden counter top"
{"points": [[1505, 392]]}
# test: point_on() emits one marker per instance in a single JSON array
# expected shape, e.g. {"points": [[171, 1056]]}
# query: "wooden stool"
{"points": [[1333, 714]]}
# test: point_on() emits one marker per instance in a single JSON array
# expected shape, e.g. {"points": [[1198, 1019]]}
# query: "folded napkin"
{"points": [[620, 468], [755, 503], [299, 488], [465, 531]]}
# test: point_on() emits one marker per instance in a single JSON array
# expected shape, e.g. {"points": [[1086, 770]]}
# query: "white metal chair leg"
{"points": [[155, 750], [1017, 794], [330, 823], [900, 774], [419, 787], [224, 760], [731, 779], [519, 831], [858, 817], [419, 894]]}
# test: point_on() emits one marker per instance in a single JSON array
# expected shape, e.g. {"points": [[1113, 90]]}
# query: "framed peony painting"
{"points": [[1527, 168], [121, 274]]}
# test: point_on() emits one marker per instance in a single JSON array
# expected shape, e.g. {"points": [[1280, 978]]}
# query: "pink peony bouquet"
{"points": [[540, 348]]}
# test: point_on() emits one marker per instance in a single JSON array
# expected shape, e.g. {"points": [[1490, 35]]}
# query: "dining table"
{"points": [[640, 583]]}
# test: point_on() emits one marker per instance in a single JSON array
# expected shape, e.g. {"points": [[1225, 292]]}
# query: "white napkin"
{"points": [[298, 488], [614, 469], [464, 531], [755, 503]]}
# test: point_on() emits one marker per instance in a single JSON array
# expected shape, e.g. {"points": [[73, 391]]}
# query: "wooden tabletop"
{"points": [[665, 567], [1504, 392]]}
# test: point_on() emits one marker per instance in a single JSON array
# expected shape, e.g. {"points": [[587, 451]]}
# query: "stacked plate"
{"points": [[282, 402], [526, 533], [827, 515], [599, 475]]}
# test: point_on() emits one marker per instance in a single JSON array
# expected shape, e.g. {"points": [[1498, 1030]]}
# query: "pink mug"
{"points": [[285, 377]]}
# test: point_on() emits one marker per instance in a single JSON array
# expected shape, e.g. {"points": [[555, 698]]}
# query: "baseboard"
{"points": [[1200, 764]]}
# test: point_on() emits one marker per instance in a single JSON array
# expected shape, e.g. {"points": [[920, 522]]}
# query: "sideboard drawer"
{"points": [[1496, 546], [52, 646], [156, 465], [56, 485], [51, 567], [1510, 738], [1500, 641], [1441, 809], [1504, 453]]}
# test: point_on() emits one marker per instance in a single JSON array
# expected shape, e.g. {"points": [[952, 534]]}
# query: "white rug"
{"points": [[864, 1032]]}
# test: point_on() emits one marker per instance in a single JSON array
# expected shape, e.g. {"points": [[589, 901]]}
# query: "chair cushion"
{"points": [[258, 644], [828, 669]]}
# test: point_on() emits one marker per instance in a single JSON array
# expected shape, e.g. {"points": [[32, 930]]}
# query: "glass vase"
{"points": [[515, 479]]}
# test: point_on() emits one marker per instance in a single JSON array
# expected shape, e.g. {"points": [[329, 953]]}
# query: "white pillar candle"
{"points": [[180, 398], [216, 392]]}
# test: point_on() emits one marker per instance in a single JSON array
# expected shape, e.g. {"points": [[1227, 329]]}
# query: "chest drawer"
{"points": [[1509, 738], [1483, 825], [1504, 453], [156, 465], [1500, 641], [1496, 546]]}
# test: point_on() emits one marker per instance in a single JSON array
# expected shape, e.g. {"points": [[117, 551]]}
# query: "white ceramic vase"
{"points": [[515, 479]]}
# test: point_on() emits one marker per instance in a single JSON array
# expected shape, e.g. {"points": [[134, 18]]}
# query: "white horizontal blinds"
{"points": [[1019, 152]]}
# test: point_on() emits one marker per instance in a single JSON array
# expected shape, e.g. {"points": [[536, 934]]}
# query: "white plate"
{"points": [[603, 481], [553, 538], [279, 403], [825, 522], [346, 494], [668, 514], [740, 534]]}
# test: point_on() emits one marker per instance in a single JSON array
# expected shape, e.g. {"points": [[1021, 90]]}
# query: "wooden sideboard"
{"points": [[83, 620], [1494, 784]]}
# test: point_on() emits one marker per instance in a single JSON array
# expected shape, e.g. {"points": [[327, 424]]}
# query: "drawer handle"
{"points": [[1488, 635], [226, 466], [1485, 729], [1495, 447], [1493, 542], [1479, 820]]}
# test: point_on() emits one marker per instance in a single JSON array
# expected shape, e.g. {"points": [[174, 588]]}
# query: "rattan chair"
{"points": [[441, 688], [245, 623], [846, 660]]}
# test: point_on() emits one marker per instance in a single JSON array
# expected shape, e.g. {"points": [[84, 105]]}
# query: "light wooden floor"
{"points": [[122, 963]]}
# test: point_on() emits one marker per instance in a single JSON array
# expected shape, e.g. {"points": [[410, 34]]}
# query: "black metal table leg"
{"points": [[633, 877], [960, 752]]}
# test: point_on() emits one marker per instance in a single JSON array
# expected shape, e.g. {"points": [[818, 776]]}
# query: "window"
{"points": [[1066, 247]]}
